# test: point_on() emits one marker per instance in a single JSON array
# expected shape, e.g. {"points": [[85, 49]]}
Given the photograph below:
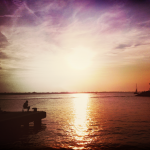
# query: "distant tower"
{"points": [[0, 65], [136, 92]]}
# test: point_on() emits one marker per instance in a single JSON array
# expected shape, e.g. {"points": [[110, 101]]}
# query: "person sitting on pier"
{"points": [[25, 105]]}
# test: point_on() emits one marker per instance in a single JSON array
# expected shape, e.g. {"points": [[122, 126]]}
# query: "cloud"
{"points": [[47, 37], [11, 16], [3, 56], [3, 40], [52, 27], [145, 24], [122, 46]]}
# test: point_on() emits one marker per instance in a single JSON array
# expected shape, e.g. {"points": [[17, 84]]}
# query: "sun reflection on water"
{"points": [[81, 117]]}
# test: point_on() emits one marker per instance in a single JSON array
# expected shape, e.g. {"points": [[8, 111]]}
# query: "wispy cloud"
{"points": [[3, 41], [44, 34], [101, 30]]}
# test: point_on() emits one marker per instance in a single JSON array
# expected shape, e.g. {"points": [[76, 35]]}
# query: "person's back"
{"points": [[25, 105]]}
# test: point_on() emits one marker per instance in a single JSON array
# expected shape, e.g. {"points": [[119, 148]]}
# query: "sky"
{"points": [[74, 45]]}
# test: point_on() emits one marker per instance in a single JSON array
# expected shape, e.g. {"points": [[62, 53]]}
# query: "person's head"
{"points": [[26, 101]]}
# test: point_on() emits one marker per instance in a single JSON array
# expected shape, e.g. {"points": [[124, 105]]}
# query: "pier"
{"points": [[14, 120]]}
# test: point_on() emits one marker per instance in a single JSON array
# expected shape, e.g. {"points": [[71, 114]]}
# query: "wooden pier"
{"points": [[14, 120]]}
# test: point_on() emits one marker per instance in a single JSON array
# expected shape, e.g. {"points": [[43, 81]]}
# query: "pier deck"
{"points": [[11, 120]]}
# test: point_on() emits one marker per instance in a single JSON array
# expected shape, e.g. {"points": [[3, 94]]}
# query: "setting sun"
{"points": [[80, 58]]}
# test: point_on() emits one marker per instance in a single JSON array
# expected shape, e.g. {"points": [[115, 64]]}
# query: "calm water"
{"points": [[83, 121]]}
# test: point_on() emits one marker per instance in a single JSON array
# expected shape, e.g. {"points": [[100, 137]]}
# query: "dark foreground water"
{"points": [[82, 121]]}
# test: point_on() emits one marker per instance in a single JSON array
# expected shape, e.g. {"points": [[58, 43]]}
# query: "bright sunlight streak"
{"points": [[80, 122], [80, 58]]}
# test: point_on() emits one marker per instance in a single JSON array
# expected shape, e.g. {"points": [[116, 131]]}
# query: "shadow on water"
{"points": [[10, 138]]}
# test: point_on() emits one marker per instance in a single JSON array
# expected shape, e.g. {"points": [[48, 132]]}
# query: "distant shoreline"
{"points": [[33, 93]]}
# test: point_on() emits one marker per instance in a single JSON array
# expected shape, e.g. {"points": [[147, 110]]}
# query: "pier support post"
{"points": [[26, 124], [37, 123]]}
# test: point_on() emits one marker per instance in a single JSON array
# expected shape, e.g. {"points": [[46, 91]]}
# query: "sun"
{"points": [[80, 58]]}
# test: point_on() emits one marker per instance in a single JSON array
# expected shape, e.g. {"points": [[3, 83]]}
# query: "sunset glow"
{"points": [[80, 58], [74, 45]]}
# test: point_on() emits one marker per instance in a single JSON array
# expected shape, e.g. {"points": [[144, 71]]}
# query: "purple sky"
{"points": [[74, 45]]}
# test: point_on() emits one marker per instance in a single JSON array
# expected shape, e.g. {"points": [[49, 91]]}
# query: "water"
{"points": [[83, 121]]}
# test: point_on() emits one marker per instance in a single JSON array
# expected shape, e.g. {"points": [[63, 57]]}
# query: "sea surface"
{"points": [[96, 121]]}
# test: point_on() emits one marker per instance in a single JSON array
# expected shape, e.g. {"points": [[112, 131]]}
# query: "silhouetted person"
{"points": [[25, 105]]}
